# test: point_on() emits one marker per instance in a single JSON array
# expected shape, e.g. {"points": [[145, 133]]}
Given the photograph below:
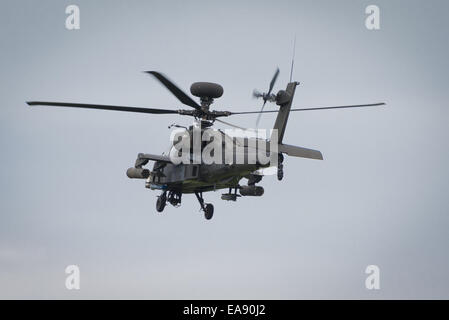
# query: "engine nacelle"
{"points": [[253, 191], [138, 173]]}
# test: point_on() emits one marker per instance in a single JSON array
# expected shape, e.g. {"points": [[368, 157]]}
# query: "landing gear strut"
{"points": [[161, 202], [207, 208]]}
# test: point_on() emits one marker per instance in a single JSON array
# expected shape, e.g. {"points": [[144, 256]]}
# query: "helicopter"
{"points": [[174, 178]]}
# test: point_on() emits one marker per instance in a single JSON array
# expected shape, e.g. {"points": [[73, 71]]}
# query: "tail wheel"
{"points": [[208, 211], [280, 167], [280, 172], [161, 202]]}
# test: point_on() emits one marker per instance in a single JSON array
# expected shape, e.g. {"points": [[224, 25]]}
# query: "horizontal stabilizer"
{"points": [[301, 152]]}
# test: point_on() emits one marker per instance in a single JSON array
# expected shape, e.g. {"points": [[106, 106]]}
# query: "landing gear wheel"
{"points": [[280, 167], [161, 202], [280, 173], [208, 211], [207, 208]]}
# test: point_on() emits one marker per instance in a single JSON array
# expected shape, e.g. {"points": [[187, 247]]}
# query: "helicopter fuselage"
{"points": [[190, 178]]}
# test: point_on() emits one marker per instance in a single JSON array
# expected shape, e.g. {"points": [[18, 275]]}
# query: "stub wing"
{"points": [[154, 157], [301, 152]]}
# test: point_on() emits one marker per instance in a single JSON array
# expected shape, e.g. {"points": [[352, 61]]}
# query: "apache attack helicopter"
{"points": [[175, 179]]}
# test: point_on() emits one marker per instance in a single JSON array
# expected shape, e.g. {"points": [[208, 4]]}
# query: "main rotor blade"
{"points": [[101, 107], [181, 95], [318, 108], [342, 107]]}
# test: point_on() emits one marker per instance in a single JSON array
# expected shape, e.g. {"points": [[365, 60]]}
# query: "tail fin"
{"points": [[285, 99], [284, 109]]}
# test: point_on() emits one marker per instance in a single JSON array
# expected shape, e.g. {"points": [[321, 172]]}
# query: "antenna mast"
{"points": [[293, 58]]}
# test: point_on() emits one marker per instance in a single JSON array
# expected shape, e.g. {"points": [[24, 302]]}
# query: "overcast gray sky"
{"points": [[379, 197]]}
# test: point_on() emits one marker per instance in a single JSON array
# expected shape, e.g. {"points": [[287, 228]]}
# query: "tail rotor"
{"points": [[268, 96]]}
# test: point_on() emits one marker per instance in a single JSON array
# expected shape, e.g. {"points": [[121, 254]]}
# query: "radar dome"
{"points": [[206, 90]]}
